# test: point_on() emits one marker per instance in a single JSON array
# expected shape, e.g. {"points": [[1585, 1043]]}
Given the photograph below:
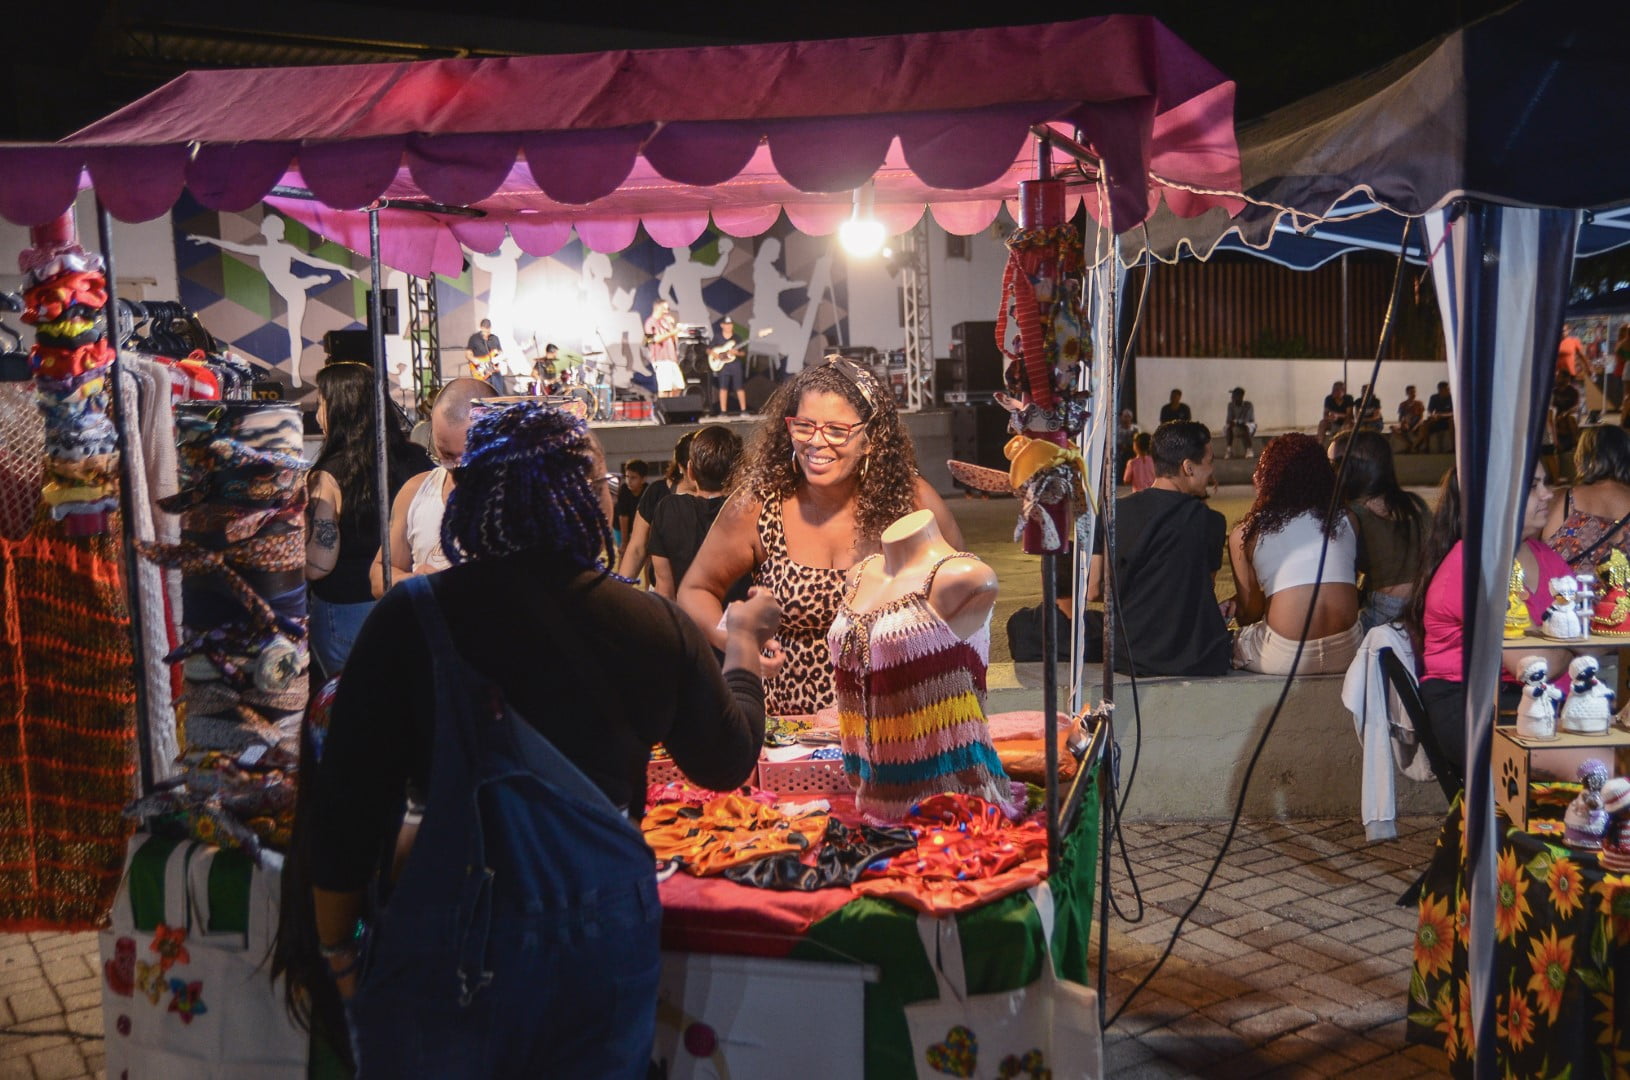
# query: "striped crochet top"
{"points": [[911, 703]]}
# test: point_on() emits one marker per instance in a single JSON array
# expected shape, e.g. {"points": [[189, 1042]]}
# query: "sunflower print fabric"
{"points": [[1562, 931]]}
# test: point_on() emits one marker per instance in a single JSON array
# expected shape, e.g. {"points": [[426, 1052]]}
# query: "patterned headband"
{"points": [[861, 379]]}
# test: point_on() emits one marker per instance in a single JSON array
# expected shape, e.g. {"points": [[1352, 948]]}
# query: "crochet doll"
{"points": [[1589, 708], [1536, 717]]}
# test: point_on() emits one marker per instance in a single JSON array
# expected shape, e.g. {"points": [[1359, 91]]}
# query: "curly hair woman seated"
{"points": [[1295, 568]]}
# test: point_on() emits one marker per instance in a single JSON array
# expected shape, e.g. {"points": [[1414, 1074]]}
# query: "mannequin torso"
{"points": [[963, 592]]}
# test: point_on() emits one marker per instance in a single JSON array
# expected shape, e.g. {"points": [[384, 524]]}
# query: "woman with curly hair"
{"points": [[1276, 553], [520, 934], [829, 468]]}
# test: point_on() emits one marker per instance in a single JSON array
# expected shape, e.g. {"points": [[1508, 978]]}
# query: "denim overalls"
{"points": [[522, 937]]}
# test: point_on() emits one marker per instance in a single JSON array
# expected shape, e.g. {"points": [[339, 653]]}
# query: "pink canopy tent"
{"points": [[604, 142]]}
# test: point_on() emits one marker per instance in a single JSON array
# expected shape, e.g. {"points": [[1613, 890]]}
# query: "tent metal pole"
{"points": [[376, 333], [124, 420], [1346, 324]]}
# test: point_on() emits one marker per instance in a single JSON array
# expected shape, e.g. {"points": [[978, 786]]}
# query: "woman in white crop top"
{"points": [[1275, 554]]}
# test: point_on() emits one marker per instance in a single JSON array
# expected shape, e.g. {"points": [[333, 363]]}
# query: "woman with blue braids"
{"points": [[518, 693]]}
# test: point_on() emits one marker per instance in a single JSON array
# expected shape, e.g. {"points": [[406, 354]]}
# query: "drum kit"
{"points": [[580, 383]]}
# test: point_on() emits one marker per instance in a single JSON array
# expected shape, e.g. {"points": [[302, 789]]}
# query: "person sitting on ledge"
{"points": [[1276, 554], [1168, 549]]}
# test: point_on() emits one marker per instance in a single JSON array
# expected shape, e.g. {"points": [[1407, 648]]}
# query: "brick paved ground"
{"points": [[1296, 964], [51, 1019]]}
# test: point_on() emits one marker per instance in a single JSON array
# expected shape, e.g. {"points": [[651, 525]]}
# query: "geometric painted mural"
{"points": [[244, 273]]}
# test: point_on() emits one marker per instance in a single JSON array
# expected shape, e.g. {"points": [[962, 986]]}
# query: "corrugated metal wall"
{"points": [[1253, 308]]}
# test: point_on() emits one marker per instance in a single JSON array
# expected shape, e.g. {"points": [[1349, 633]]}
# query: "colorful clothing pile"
{"points": [[911, 704], [968, 853], [727, 831], [64, 292]]}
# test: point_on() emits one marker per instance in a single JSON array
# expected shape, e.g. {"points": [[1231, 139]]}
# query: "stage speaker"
{"points": [[978, 434], [759, 388], [353, 346], [976, 362], [389, 309], [681, 409]]}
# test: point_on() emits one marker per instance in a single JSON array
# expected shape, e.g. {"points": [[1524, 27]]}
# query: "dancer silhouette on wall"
{"points": [[681, 283], [276, 258], [771, 329]]}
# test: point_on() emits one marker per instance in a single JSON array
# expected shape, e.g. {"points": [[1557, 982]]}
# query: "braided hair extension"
{"points": [[887, 490], [526, 483]]}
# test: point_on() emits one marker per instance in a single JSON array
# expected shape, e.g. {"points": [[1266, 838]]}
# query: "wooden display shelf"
{"points": [[1515, 762]]}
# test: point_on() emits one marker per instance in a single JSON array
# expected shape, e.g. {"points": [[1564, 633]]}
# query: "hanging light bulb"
{"points": [[862, 234]]}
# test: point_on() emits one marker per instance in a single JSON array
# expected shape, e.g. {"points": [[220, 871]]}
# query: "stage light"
{"points": [[862, 234]]}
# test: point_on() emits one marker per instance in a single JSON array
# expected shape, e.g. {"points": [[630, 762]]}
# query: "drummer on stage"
{"points": [[728, 361], [662, 334], [546, 370]]}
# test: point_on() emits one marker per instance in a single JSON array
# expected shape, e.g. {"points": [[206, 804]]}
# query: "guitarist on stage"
{"points": [[727, 360], [662, 335], [485, 354]]}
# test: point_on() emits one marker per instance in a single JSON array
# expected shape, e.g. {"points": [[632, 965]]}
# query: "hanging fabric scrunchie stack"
{"points": [[1040, 329], [65, 293]]}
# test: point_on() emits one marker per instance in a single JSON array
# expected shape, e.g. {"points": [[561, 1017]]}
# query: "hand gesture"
{"points": [[759, 615]]}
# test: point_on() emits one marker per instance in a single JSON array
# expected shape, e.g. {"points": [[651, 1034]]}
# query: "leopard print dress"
{"points": [[809, 597]]}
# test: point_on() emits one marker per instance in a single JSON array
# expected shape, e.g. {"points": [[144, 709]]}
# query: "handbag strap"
{"points": [[942, 944], [1047, 912]]}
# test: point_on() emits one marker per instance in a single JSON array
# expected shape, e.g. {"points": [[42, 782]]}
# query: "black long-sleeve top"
{"points": [[600, 669]]}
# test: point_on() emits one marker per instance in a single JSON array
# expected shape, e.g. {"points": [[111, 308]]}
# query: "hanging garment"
{"points": [[911, 704], [67, 728]]}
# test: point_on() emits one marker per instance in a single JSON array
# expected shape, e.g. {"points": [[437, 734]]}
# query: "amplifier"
{"points": [[970, 397]]}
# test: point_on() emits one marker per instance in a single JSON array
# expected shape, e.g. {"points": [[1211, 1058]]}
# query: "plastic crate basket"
{"points": [[803, 777], [666, 772]]}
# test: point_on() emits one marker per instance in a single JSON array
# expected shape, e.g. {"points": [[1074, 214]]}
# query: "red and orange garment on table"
{"points": [[968, 853]]}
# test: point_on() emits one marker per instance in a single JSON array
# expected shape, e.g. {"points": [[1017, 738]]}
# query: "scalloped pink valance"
{"points": [[602, 143]]}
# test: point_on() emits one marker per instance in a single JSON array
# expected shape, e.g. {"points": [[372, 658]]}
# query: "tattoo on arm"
{"points": [[325, 533]]}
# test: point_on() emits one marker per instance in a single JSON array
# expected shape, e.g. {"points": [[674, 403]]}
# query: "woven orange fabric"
{"points": [[722, 832], [968, 853], [67, 729]]}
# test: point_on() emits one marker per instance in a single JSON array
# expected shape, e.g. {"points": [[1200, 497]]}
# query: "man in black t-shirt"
{"points": [[1440, 416], [1175, 409], [1339, 408], [484, 353], [681, 522], [1169, 547]]}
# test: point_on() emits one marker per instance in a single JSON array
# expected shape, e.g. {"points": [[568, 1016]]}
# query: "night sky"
{"points": [[1277, 51]]}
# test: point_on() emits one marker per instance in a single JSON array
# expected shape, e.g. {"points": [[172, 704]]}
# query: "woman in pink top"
{"points": [[1437, 613], [1140, 471]]}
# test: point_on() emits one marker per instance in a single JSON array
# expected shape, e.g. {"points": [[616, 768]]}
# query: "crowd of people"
{"points": [[485, 695]]}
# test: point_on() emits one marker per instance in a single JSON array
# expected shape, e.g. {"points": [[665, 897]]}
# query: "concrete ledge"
{"points": [[1198, 735]]}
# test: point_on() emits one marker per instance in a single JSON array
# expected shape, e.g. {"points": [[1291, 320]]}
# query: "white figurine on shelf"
{"points": [[1536, 718], [1589, 708], [1561, 620]]}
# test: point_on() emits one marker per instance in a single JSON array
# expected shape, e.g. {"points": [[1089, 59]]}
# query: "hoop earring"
{"points": [[795, 468], [865, 465]]}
